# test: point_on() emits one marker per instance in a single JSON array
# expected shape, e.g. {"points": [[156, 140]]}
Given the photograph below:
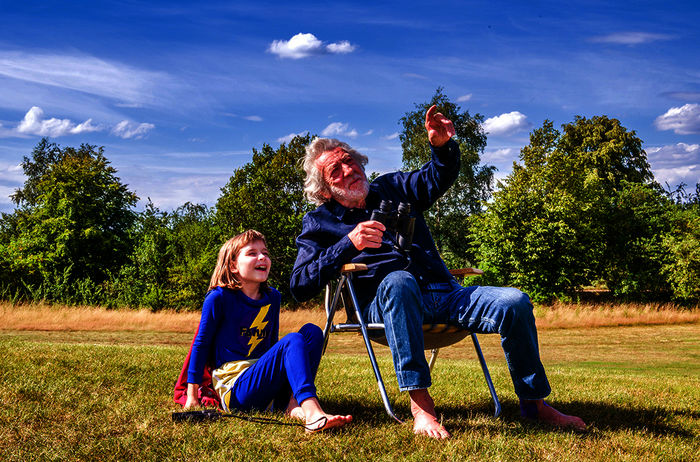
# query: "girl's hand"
{"points": [[192, 398], [192, 402]]}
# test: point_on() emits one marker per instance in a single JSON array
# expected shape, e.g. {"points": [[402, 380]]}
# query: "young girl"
{"points": [[239, 331]]}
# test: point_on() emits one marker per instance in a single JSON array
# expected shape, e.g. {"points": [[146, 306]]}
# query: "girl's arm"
{"points": [[192, 395], [203, 342]]}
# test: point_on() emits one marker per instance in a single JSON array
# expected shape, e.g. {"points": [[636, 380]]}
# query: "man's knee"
{"points": [[398, 285], [516, 305], [517, 300]]}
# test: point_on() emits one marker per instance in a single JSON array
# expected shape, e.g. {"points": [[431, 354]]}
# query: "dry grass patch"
{"points": [[567, 315], [45, 317], [41, 316]]}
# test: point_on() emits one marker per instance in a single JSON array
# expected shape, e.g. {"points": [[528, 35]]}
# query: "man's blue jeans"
{"points": [[403, 307]]}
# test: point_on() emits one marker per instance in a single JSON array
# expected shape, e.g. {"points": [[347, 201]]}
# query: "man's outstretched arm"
{"points": [[440, 129]]}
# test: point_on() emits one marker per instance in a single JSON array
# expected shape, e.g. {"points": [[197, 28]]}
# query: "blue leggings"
{"points": [[288, 368]]}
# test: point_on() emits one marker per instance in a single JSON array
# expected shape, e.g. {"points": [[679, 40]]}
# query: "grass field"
{"points": [[101, 389]]}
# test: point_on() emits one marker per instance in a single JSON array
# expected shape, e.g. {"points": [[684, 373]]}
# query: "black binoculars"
{"points": [[398, 222]]}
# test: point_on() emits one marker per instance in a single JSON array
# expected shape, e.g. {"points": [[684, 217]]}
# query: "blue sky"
{"points": [[179, 93]]}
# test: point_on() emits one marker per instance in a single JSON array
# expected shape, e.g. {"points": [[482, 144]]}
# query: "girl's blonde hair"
{"points": [[223, 276]]}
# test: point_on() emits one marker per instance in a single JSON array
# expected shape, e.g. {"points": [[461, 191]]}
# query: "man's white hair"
{"points": [[315, 188]]}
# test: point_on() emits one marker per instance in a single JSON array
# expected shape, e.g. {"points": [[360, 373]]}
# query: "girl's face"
{"points": [[252, 265]]}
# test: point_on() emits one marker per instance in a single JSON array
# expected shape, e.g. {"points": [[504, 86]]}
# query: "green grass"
{"points": [[107, 396]]}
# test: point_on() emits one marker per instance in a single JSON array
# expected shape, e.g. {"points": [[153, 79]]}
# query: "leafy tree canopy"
{"points": [[72, 218], [579, 209], [448, 217], [267, 194]]}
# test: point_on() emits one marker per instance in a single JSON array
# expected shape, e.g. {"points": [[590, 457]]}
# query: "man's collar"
{"points": [[336, 209], [339, 210]]}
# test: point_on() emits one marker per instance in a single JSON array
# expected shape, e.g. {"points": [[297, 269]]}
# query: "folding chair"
{"points": [[435, 336]]}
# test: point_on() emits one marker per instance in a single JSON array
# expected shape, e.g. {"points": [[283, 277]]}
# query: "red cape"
{"points": [[207, 395]]}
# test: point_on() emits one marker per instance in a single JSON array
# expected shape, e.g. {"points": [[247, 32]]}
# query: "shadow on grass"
{"points": [[600, 417]]}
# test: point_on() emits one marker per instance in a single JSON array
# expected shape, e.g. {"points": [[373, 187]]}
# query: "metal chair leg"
{"points": [[433, 358], [331, 307], [487, 376], [372, 357]]}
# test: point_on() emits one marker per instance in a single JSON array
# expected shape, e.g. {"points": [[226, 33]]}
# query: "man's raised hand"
{"points": [[367, 234], [440, 128]]}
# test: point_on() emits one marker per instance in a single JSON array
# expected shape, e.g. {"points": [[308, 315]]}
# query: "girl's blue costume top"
{"points": [[233, 327]]}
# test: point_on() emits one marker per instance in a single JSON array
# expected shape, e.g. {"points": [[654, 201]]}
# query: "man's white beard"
{"points": [[350, 196]]}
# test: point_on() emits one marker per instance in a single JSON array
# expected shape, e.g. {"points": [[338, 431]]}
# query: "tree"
{"points": [[267, 194], [195, 246], [448, 218], [72, 219], [173, 257], [681, 245], [578, 210]]}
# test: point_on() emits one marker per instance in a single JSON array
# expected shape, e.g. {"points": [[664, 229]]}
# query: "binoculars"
{"points": [[399, 224]]}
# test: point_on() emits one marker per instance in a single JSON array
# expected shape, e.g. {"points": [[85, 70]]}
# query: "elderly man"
{"points": [[405, 289]]}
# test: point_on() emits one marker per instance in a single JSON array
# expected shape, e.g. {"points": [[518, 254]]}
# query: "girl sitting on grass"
{"points": [[239, 332]]}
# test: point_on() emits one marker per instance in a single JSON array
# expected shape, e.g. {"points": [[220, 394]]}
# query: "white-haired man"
{"points": [[404, 290]]}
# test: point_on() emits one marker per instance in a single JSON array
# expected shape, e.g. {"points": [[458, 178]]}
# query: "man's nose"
{"points": [[347, 169]]}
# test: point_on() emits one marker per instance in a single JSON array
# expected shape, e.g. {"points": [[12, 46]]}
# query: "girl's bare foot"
{"points": [[323, 422], [543, 412], [424, 417], [294, 410], [317, 420]]}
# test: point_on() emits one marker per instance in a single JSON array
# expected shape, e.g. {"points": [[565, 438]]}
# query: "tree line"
{"points": [[580, 209]]}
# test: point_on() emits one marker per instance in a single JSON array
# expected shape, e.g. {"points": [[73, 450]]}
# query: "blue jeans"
{"points": [[403, 307], [289, 367]]}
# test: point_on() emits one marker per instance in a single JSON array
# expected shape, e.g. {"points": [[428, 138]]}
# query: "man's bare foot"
{"points": [[424, 417], [538, 410]]}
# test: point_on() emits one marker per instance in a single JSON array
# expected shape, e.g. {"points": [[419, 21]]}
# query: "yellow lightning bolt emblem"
{"points": [[260, 324]]}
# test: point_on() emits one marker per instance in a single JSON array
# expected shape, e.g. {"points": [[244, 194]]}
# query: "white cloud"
{"points": [[683, 95], [501, 155], [393, 136], [411, 75], [339, 129], [253, 118], [290, 137], [675, 163], [35, 124], [506, 124], [341, 47], [683, 120], [11, 178], [127, 129], [631, 38], [170, 189], [86, 127], [128, 85], [464, 98], [6, 132], [674, 155], [305, 45]]}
